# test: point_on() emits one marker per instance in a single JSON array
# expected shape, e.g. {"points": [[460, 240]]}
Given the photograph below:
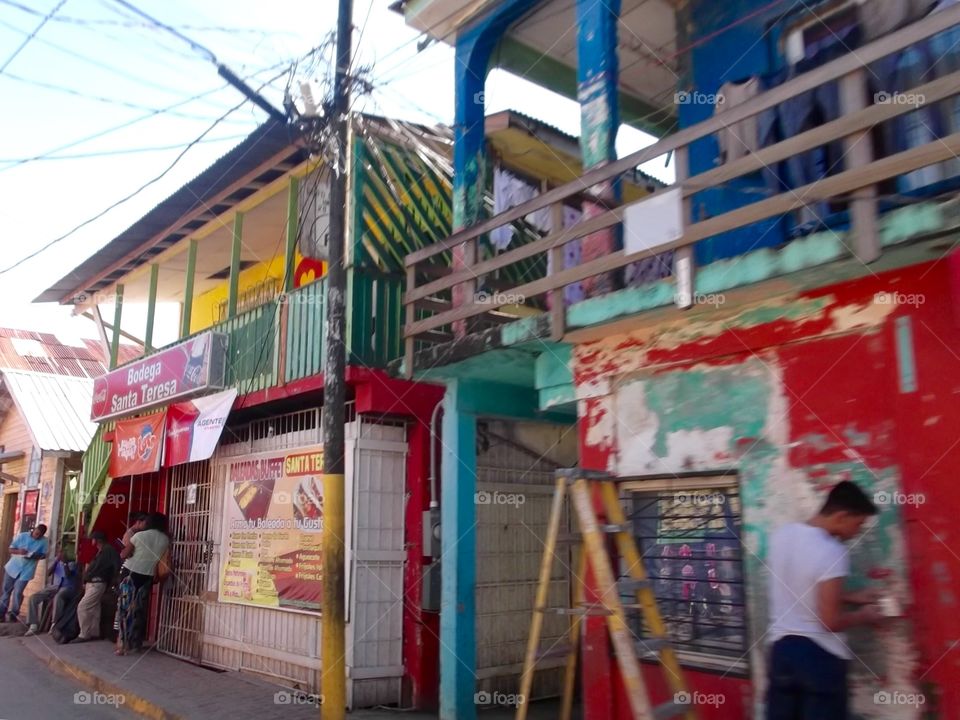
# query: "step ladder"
{"points": [[593, 551]]}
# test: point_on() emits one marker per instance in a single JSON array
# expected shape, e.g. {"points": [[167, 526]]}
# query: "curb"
{"points": [[135, 703]]}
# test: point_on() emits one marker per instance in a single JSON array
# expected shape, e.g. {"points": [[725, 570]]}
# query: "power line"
{"points": [[206, 52], [125, 151], [32, 35], [129, 196]]}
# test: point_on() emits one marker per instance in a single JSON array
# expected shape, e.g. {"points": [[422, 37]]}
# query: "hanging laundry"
{"points": [[738, 139], [508, 192]]}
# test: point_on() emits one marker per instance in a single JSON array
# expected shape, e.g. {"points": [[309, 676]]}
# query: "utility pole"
{"points": [[333, 651]]}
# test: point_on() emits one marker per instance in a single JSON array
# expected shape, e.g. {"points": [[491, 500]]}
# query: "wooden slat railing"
{"points": [[855, 184]]}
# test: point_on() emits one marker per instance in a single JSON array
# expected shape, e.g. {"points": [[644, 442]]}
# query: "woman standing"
{"points": [[145, 553]]}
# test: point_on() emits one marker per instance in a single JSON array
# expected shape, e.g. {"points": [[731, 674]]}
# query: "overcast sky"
{"points": [[106, 72]]}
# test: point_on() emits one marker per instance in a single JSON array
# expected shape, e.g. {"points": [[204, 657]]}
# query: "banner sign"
{"points": [[194, 427], [272, 527], [185, 369], [137, 444]]}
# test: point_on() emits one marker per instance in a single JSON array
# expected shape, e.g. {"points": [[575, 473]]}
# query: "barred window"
{"points": [[688, 533]]}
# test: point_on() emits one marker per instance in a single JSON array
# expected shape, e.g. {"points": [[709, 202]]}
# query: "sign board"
{"points": [[137, 445], [192, 494], [272, 523], [194, 427], [190, 367], [653, 222]]}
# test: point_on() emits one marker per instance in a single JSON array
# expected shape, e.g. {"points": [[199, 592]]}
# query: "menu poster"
{"points": [[272, 529]]}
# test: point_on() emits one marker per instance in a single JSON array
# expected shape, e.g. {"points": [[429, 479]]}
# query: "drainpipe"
{"points": [[433, 455]]}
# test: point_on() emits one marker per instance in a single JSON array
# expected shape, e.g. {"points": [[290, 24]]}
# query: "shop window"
{"points": [[688, 533]]}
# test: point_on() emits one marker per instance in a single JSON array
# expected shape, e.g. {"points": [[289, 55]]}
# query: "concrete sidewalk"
{"points": [[157, 686]]}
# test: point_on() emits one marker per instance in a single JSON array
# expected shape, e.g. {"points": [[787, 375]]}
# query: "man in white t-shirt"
{"points": [[808, 563]]}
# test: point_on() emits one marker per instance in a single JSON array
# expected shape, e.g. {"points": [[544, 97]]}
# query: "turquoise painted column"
{"points": [[475, 46], [458, 542], [597, 80]]}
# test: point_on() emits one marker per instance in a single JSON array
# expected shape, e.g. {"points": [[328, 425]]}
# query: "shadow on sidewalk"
{"points": [[158, 686]]}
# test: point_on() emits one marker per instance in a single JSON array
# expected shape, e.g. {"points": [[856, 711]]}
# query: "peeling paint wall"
{"points": [[796, 394]]}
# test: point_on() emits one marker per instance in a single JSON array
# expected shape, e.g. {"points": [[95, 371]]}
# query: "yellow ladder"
{"points": [[594, 550]]}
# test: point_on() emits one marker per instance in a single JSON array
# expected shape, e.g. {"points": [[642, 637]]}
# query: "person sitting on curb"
{"points": [[99, 576], [61, 589], [26, 549]]}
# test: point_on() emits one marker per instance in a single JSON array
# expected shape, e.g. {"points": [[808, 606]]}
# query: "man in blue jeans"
{"points": [[808, 563], [25, 550]]}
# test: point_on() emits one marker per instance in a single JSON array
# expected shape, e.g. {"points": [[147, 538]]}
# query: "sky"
{"points": [[96, 105]]}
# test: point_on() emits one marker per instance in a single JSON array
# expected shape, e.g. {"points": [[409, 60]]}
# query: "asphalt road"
{"points": [[31, 691]]}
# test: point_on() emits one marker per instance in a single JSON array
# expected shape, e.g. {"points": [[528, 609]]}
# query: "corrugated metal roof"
{"points": [[56, 408], [45, 353]]}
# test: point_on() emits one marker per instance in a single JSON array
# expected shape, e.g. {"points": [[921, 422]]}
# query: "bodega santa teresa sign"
{"points": [[188, 368]]}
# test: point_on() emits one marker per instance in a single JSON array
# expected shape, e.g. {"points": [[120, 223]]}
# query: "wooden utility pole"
{"points": [[333, 683]]}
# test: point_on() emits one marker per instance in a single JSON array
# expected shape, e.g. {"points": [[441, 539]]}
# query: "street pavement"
{"points": [[30, 691]]}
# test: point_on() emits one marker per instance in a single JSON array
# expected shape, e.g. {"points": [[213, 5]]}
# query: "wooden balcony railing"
{"points": [[855, 184]]}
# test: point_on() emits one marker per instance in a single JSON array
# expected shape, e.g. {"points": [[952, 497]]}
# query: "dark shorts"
{"points": [[806, 682]]}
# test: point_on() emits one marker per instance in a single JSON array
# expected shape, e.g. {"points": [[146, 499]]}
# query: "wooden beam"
{"points": [[151, 307], [186, 314], [934, 91], [117, 315], [234, 290], [826, 188], [858, 151], [108, 326], [293, 231]]}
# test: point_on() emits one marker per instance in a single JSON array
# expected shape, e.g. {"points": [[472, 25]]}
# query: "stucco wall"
{"points": [[795, 394]]}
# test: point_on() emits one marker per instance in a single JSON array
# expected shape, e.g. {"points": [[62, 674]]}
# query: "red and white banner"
{"points": [[185, 369], [194, 427], [137, 444]]}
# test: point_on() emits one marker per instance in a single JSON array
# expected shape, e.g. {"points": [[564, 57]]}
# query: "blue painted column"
{"points": [[475, 46], [597, 80], [458, 644]]}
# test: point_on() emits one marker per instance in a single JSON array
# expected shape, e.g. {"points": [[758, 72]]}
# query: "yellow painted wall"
{"points": [[205, 305]]}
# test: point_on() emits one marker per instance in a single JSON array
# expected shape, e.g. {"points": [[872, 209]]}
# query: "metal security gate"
{"points": [[181, 606]]}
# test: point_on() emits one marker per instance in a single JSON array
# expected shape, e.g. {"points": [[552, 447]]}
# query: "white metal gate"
{"points": [[181, 606]]}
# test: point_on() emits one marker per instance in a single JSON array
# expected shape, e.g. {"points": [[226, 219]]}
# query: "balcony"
{"points": [[864, 222]]}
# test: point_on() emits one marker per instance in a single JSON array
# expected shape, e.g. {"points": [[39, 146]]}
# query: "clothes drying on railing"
{"points": [[737, 140]]}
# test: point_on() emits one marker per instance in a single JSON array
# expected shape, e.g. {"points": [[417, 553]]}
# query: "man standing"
{"points": [[61, 588], [98, 577], [25, 550], [808, 563]]}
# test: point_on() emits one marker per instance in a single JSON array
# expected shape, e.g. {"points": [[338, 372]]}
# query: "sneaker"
{"points": [[31, 631]]}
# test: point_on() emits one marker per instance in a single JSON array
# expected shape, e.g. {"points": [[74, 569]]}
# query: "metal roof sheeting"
{"points": [[56, 408]]}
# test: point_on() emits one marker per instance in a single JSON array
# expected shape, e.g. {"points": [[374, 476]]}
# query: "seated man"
{"points": [[61, 588], [25, 550], [99, 576]]}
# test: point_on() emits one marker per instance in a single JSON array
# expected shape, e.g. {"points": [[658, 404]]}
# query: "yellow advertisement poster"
{"points": [[273, 518]]}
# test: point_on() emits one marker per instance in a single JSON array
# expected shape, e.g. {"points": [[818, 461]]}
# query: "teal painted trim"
{"points": [[234, 290], [458, 617], [520, 331], [906, 363], [812, 251], [500, 400], [553, 366], [187, 312], [561, 398]]}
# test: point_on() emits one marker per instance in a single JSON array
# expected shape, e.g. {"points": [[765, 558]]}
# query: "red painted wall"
{"points": [[840, 374]]}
